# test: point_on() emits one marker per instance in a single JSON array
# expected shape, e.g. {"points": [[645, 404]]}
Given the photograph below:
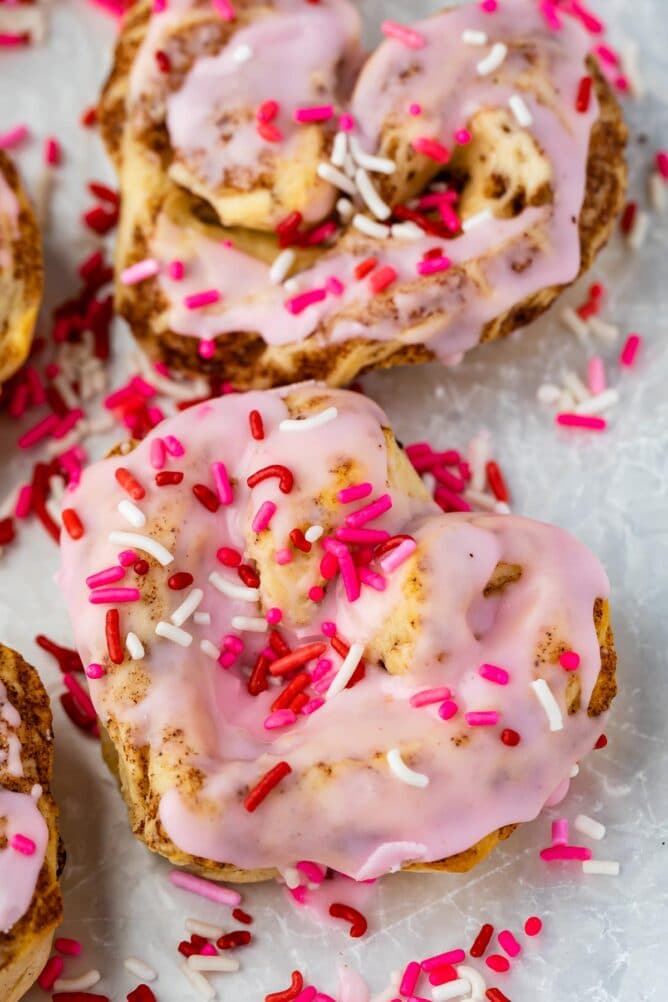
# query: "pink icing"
{"points": [[20, 816], [442, 78], [363, 821]]}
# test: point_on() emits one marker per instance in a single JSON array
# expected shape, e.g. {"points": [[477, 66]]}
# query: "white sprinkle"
{"points": [[292, 877], [493, 60], [242, 53], [199, 982], [349, 166], [451, 990], [406, 231], [135, 540], [575, 771], [281, 266], [371, 197], [476, 980], [178, 391], [339, 149], [53, 507], [233, 590], [402, 771], [209, 649], [566, 401], [80, 984], [502, 508], [638, 234], [131, 513], [657, 192], [202, 618], [135, 647], [631, 70], [472, 37], [336, 177], [574, 323], [548, 393], [473, 221], [250, 624], [346, 671], [590, 827], [487, 502], [141, 970], [377, 165], [219, 965], [478, 453], [598, 404], [187, 607], [205, 929], [292, 286], [307, 424], [370, 227], [173, 633], [546, 699], [345, 209], [519, 109], [601, 867], [314, 533], [606, 332], [574, 384]]}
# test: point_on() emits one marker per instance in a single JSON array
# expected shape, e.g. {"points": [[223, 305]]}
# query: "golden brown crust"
{"points": [[21, 287], [25, 948]]}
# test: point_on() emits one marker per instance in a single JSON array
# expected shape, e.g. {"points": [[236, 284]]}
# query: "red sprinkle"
{"points": [[365, 267], [510, 737], [602, 742], [481, 942], [140, 567], [129, 484], [288, 994], [257, 681], [113, 633], [249, 577], [382, 279], [496, 482], [297, 658], [533, 926], [299, 540], [228, 557], [270, 780], [206, 497], [142, 993], [242, 916], [69, 947], [496, 995], [7, 532], [163, 61], [628, 217], [180, 580], [72, 523], [584, 95], [78, 997], [285, 477], [358, 924], [167, 478], [291, 691], [498, 963], [240, 937], [52, 971], [256, 425]]}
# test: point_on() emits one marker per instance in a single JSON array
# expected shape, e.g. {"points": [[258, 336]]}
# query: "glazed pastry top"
{"points": [[24, 833], [9, 215], [382, 774]]}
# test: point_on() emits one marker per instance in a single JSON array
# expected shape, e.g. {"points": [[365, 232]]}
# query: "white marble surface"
{"points": [[604, 938]]}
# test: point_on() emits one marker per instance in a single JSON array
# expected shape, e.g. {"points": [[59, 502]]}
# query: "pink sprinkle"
{"points": [[334, 286], [431, 148], [347, 568], [596, 375], [299, 895], [630, 350], [441, 959], [227, 659], [105, 577], [22, 844], [318, 113], [24, 502], [371, 511], [109, 596], [549, 11], [569, 660], [274, 616], [205, 888], [591, 23], [199, 299], [497, 963], [39, 431], [80, 695], [225, 9], [533, 926], [263, 516], [569, 852], [173, 446], [322, 668], [371, 536], [13, 137], [95, 671], [396, 557], [312, 705], [222, 483], [176, 270], [607, 54], [316, 593], [371, 579], [127, 557], [662, 163], [355, 492], [52, 152], [448, 709], [329, 629], [428, 696], [489, 6], [494, 674], [409, 978], [206, 347], [68, 947], [407, 36], [233, 643], [280, 718], [313, 873], [508, 943], [51, 973], [158, 454], [346, 123], [298, 304], [582, 421], [560, 832], [283, 556], [140, 271], [415, 109], [433, 265], [482, 718], [463, 137]]}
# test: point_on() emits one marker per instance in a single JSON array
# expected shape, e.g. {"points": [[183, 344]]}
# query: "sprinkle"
{"points": [[173, 446], [200, 299], [268, 782], [498, 963], [314, 533], [508, 943], [297, 658], [574, 323], [371, 163], [371, 511], [560, 832], [131, 513], [434, 265], [250, 624], [471, 37], [346, 671], [358, 924], [546, 699], [565, 852], [317, 113], [600, 867], [482, 940], [263, 516], [520, 111], [242, 53], [299, 303], [109, 596], [370, 227], [95, 671], [443, 960], [206, 497], [398, 555], [448, 709], [630, 350], [307, 424], [144, 543], [134, 646], [407, 36], [370, 196], [482, 718], [140, 272], [431, 148], [233, 590], [429, 696], [451, 990], [590, 827], [476, 220], [187, 607], [403, 772], [493, 60], [280, 718], [583, 97], [216, 964], [173, 633], [80, 984], [13, 137], [337, 178], [639, 231], [285, 477], [569, 660], [205, 888], [281, 266], [198, 981], [176, 270], [533, 926], [22, 844], [571, 420], [141, 970], [494, 674], [225, 9]]}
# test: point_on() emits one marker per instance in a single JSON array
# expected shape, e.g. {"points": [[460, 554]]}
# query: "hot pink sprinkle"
{"points": [[371, 536], [280, 718], [431, 148], [482, 718], [318, 113], [560, 832], [140, 271], [199, 299], [68, 947], [569, 852], [508, 943], [109, 596], [489, 6], [10, 39], [127, 557], [95, 671], [346, 567], [551, 15], [494, 674], [396, 557], [630, 350], [407, 36], [448, 709], [373, 580], [225, 9], [591, 23], [22, 844], [582, 421], [323, 666], [39, 431], [569, 660], [433, 265], [176, 270], [463, 137], [222, 483], [428, 696], [371, 511], [316, 593], [346, 122], [106, 577], [13, 137], [355, 492], [409, 978], [274, 616], [208, 950], [313, 873], [596, 375], [298, 304], [662, 163], [80, 695], [312, 705], [51, 152], [329, 629], [205, 888], [23, 502], [334, 286], [442, 959], [283, 556], [607, 54], [233, 643], [206, 347], [174, 446], [415, 109]]}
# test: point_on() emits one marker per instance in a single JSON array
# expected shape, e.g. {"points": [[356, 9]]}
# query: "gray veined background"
{"points": [[605, 938]]}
